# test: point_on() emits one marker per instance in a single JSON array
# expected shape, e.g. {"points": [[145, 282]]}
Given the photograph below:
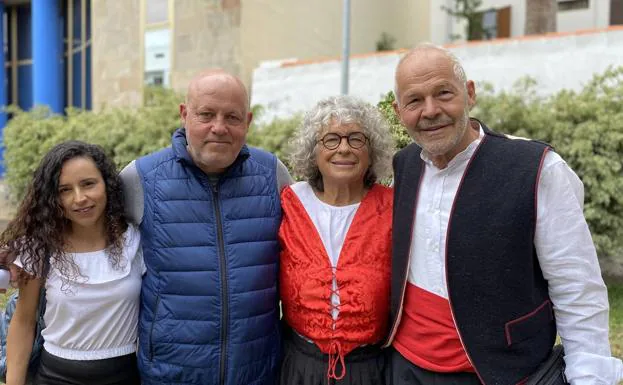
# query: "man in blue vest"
{"points": [[493, 257], [209, 211]]}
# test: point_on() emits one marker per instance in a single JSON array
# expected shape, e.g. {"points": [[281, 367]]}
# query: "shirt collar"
{"points": [[461, 157]]}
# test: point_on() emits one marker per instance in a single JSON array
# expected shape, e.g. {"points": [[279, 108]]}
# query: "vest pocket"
{"points": [[528, 325], [151, 329]]}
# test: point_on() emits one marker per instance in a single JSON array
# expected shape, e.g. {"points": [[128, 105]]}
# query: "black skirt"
{"points": [[304, 364], [54, 370]]}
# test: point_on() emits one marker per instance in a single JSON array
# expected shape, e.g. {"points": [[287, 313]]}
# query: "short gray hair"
{"points": [[342, 110], [459, 71]]}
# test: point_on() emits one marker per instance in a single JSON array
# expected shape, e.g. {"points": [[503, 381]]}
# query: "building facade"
{"points": [[97, 53], [46, 54], [160, 43], [180, 37], [307, 30], [131, 43], [507, 18]]}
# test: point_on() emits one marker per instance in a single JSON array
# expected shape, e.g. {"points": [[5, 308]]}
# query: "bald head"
{"points": [[433, 100], [428, 51], [216, 117], [209, 80]]}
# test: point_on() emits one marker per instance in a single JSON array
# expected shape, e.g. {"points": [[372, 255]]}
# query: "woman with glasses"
{"points": [[336, 247]]}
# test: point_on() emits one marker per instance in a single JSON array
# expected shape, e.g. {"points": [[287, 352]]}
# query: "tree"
{"points": [[540, 16], [468, 10], [385, 43]]}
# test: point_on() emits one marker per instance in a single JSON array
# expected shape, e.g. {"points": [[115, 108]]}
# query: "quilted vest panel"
{"points": [[209, 302]]}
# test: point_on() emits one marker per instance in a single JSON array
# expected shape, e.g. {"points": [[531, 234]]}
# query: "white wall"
{"points": [[596, 16], [442, 25], [555, 62]]}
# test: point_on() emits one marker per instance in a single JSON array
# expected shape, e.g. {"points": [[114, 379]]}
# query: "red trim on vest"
{"points": [[427, 335], [362, 275], [507, 326]]}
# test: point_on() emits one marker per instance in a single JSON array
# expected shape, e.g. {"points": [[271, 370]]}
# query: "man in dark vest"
{"points": [[209, 211], [492, 256]]}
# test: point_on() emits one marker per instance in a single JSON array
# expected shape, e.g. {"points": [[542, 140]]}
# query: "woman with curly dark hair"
{"points": [[71, 237]]}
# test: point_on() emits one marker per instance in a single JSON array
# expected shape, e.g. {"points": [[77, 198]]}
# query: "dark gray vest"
{"points": [[497, 292]]}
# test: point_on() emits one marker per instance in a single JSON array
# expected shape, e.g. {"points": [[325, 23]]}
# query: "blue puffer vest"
{"points": [[209, 302]]}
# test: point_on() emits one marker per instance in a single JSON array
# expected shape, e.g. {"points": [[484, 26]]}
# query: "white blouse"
{"points": [[95, 315], [332, 224]]}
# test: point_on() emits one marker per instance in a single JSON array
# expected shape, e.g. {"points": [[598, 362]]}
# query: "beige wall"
{"points": [[206, 34], [236, 35], [417, 22], [303, 29], [117, 70]]}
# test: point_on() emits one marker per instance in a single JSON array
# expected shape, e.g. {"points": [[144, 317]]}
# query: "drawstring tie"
{"points": [[335, 350], [336, 357]]}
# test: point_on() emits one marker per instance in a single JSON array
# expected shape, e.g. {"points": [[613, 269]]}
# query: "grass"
{"points": [[615, 293]]}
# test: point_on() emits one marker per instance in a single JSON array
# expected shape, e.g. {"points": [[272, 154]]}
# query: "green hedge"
{"points": [[585, 127], [124, 133]]}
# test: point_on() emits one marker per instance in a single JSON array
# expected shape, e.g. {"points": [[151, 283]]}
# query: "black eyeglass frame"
{"points": [[341, 137]]}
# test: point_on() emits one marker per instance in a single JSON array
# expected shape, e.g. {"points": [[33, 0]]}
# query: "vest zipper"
{"points": [[224, 287], [151, 329]]}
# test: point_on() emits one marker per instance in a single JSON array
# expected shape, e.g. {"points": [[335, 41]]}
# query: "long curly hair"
{"points": [[38, 232]]}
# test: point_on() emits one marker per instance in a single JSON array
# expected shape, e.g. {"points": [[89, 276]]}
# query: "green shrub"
{"points": [[274, 136], [124, 133], [401, 138], [586, 129]]}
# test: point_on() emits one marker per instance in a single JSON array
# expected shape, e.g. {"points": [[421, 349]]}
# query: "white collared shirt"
{"points": [[565, 252]]}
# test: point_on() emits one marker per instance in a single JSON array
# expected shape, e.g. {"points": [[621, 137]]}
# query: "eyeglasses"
{"points": [[355, 140]]}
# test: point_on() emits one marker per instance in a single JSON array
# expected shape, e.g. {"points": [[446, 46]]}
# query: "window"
{"points": [[157, 39], [156, 11], [568, 5], [154, 78], [489, 24], [157, 56], [76, 75], [18, 55], [494, 23], [77, 38]]}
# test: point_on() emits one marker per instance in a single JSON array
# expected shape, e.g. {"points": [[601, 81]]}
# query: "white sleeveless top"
{"points": [[95, 316]]}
